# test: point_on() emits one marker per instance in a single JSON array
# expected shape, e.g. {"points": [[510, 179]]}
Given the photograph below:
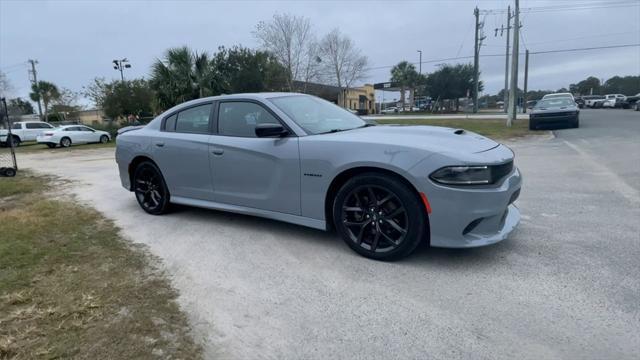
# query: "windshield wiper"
{"points": [[338, 130], [332, 131]]}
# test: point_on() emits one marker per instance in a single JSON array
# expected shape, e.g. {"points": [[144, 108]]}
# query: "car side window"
{"points": [[33, 126], [16, 126], [194, 120], [239, 118], [170, 123]]}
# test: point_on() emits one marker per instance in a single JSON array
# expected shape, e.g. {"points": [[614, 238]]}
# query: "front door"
{"points": [[260, 173], [182, 153]]}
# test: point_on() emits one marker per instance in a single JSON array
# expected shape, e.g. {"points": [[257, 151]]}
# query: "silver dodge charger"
{"points": [[300, 159]]}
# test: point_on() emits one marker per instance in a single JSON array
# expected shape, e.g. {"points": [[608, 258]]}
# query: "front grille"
{"points": [[498, 172]]}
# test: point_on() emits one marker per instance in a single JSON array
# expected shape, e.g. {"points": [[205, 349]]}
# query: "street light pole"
{"points": [[420, 63], [121, 65]]}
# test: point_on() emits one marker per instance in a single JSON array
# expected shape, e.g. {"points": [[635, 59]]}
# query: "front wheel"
{"points": [[104, 139], [379, 216], [150, 189]]}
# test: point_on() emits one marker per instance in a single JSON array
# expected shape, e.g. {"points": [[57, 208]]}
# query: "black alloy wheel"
{"points": [[379, 217], [150, 189]]}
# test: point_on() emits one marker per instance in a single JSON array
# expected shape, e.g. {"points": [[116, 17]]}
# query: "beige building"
{"points": [[361, 99], [89, 117]]}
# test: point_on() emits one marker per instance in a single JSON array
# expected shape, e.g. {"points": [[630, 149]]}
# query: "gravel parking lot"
{"points": [[565, 285]]}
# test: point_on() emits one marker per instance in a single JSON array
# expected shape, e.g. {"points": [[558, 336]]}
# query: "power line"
{"points": [[571, 7], [584, 49]]}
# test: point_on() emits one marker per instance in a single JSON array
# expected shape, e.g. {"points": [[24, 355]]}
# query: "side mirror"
{"points": [[271, 130]]}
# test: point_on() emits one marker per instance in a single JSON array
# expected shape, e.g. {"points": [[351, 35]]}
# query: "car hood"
{"points": [[431, 138]]}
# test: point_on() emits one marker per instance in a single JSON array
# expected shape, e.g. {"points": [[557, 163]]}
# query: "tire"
{"points": [[9, 172], [65, 142], [575, 123], [150, 189], [533, 125], [51, 146], [104, 139], [15, 141], [398, 214]]}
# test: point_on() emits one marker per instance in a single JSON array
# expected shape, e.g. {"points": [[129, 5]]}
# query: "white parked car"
{"points": [[24, 131], [390, 110], [611, 99], [68, 135]]}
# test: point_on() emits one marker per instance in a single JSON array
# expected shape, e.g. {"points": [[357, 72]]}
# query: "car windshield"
{"points": [[554, 103], [317, 116]]}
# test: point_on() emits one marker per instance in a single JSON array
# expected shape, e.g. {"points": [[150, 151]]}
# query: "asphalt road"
{"points": [[612, 136], [566, 285]]}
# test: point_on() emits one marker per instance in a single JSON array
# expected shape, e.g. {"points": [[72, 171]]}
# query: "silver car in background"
{"points": [[297, 158]]}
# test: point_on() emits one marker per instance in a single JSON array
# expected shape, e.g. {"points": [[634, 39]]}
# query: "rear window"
{"points": [[194, 120]]}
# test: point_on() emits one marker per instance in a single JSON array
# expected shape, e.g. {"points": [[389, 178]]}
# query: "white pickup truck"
{"points": [[24, 131]]}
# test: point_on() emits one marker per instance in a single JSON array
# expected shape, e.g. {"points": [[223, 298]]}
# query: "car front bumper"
{"points": [[554, 120], [471, 217]]}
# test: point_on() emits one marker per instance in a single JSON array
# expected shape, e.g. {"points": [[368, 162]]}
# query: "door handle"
{"points": [[159, 144], [217, 151]]}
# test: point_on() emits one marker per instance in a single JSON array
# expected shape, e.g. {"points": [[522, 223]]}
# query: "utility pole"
{"points": [[476, 63], [513, 91], [476, 58], [526, 80], [34, 81], [506, 58], [420, 64]]}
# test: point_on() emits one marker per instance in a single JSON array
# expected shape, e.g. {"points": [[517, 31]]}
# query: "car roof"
{"points": [[251, 96]]}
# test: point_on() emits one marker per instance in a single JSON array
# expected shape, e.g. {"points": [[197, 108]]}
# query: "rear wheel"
{"points": [[379, 216], [15, 141], [150, 189], [65, 142]]}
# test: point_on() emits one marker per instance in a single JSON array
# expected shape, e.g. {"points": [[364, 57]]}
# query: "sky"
{"points": [[76, 41]]}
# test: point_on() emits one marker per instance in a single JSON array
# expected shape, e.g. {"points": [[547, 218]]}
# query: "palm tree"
{"points": [[405, 74], [45, 91], [183, 75]]}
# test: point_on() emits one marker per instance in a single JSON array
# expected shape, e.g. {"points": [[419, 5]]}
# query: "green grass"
{"points": [[35, 147], [70, 287], [493, 128]]}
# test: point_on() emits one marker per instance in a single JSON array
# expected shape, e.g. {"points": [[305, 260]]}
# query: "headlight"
{"points": [[463, 175]]}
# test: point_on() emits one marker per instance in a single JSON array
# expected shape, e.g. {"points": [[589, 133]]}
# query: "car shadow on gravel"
{"points": [[424, 255]]}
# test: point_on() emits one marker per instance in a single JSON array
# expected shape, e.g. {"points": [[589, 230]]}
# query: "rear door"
{"points": [[260, 173], [73, 133], [182, 152], [33, 130]]}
